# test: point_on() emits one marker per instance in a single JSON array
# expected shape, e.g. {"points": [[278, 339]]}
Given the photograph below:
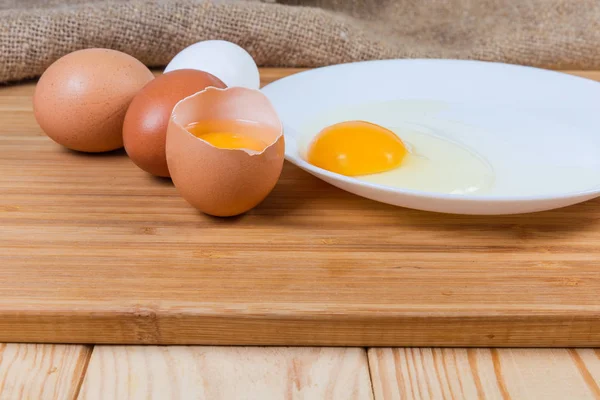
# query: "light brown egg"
{"points": [[235, 156], [147, 118], [81, 99]]}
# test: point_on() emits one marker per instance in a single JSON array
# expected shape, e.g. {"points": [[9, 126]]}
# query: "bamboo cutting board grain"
{"points": [[94, 250]]}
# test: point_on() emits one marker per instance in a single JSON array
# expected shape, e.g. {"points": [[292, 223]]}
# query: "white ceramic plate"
{"points": [[539, 130]]}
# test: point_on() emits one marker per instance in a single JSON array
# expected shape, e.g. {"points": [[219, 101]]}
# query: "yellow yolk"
{"points": [[230, 140], [227, 135], [356, 148]]}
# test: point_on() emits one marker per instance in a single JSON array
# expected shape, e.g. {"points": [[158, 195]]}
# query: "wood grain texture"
{"points": [[425, 373], [130, 372], [30, 371], [93, 250]]}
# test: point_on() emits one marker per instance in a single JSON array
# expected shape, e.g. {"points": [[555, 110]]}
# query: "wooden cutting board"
{"points": [[94, 250]]}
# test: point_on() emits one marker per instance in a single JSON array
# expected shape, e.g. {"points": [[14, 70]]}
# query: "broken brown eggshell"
{"points": [[217, 181]]}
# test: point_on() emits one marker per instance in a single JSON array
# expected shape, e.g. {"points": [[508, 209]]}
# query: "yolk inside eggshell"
{"points": [[231, 134]]}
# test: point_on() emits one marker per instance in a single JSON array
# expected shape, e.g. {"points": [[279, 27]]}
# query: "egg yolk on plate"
{"points": [[228, 134], [356, 148]]}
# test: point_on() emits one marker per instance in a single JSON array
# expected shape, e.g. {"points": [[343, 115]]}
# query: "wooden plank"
{"points": [[128, 372], [93, 250], [425, 373], [30, 371]]}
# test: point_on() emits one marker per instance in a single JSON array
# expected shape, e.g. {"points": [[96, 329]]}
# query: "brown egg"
{"points": [[234, 158], [146, 121], [81, 99]]}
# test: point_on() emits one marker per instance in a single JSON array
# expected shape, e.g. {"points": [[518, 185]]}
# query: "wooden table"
{"points": [[30, 371], [50, 371]]}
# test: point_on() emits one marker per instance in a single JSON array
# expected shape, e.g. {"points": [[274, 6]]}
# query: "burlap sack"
{"points": [[544, 33]]}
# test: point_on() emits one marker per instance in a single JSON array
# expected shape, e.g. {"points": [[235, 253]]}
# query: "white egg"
{"points": [[225, 60]]}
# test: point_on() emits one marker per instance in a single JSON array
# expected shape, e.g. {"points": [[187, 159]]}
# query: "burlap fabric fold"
{"points": [[543, 33]]}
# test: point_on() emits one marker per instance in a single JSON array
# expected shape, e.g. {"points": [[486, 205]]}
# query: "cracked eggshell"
{"points": [[224, 182]]}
